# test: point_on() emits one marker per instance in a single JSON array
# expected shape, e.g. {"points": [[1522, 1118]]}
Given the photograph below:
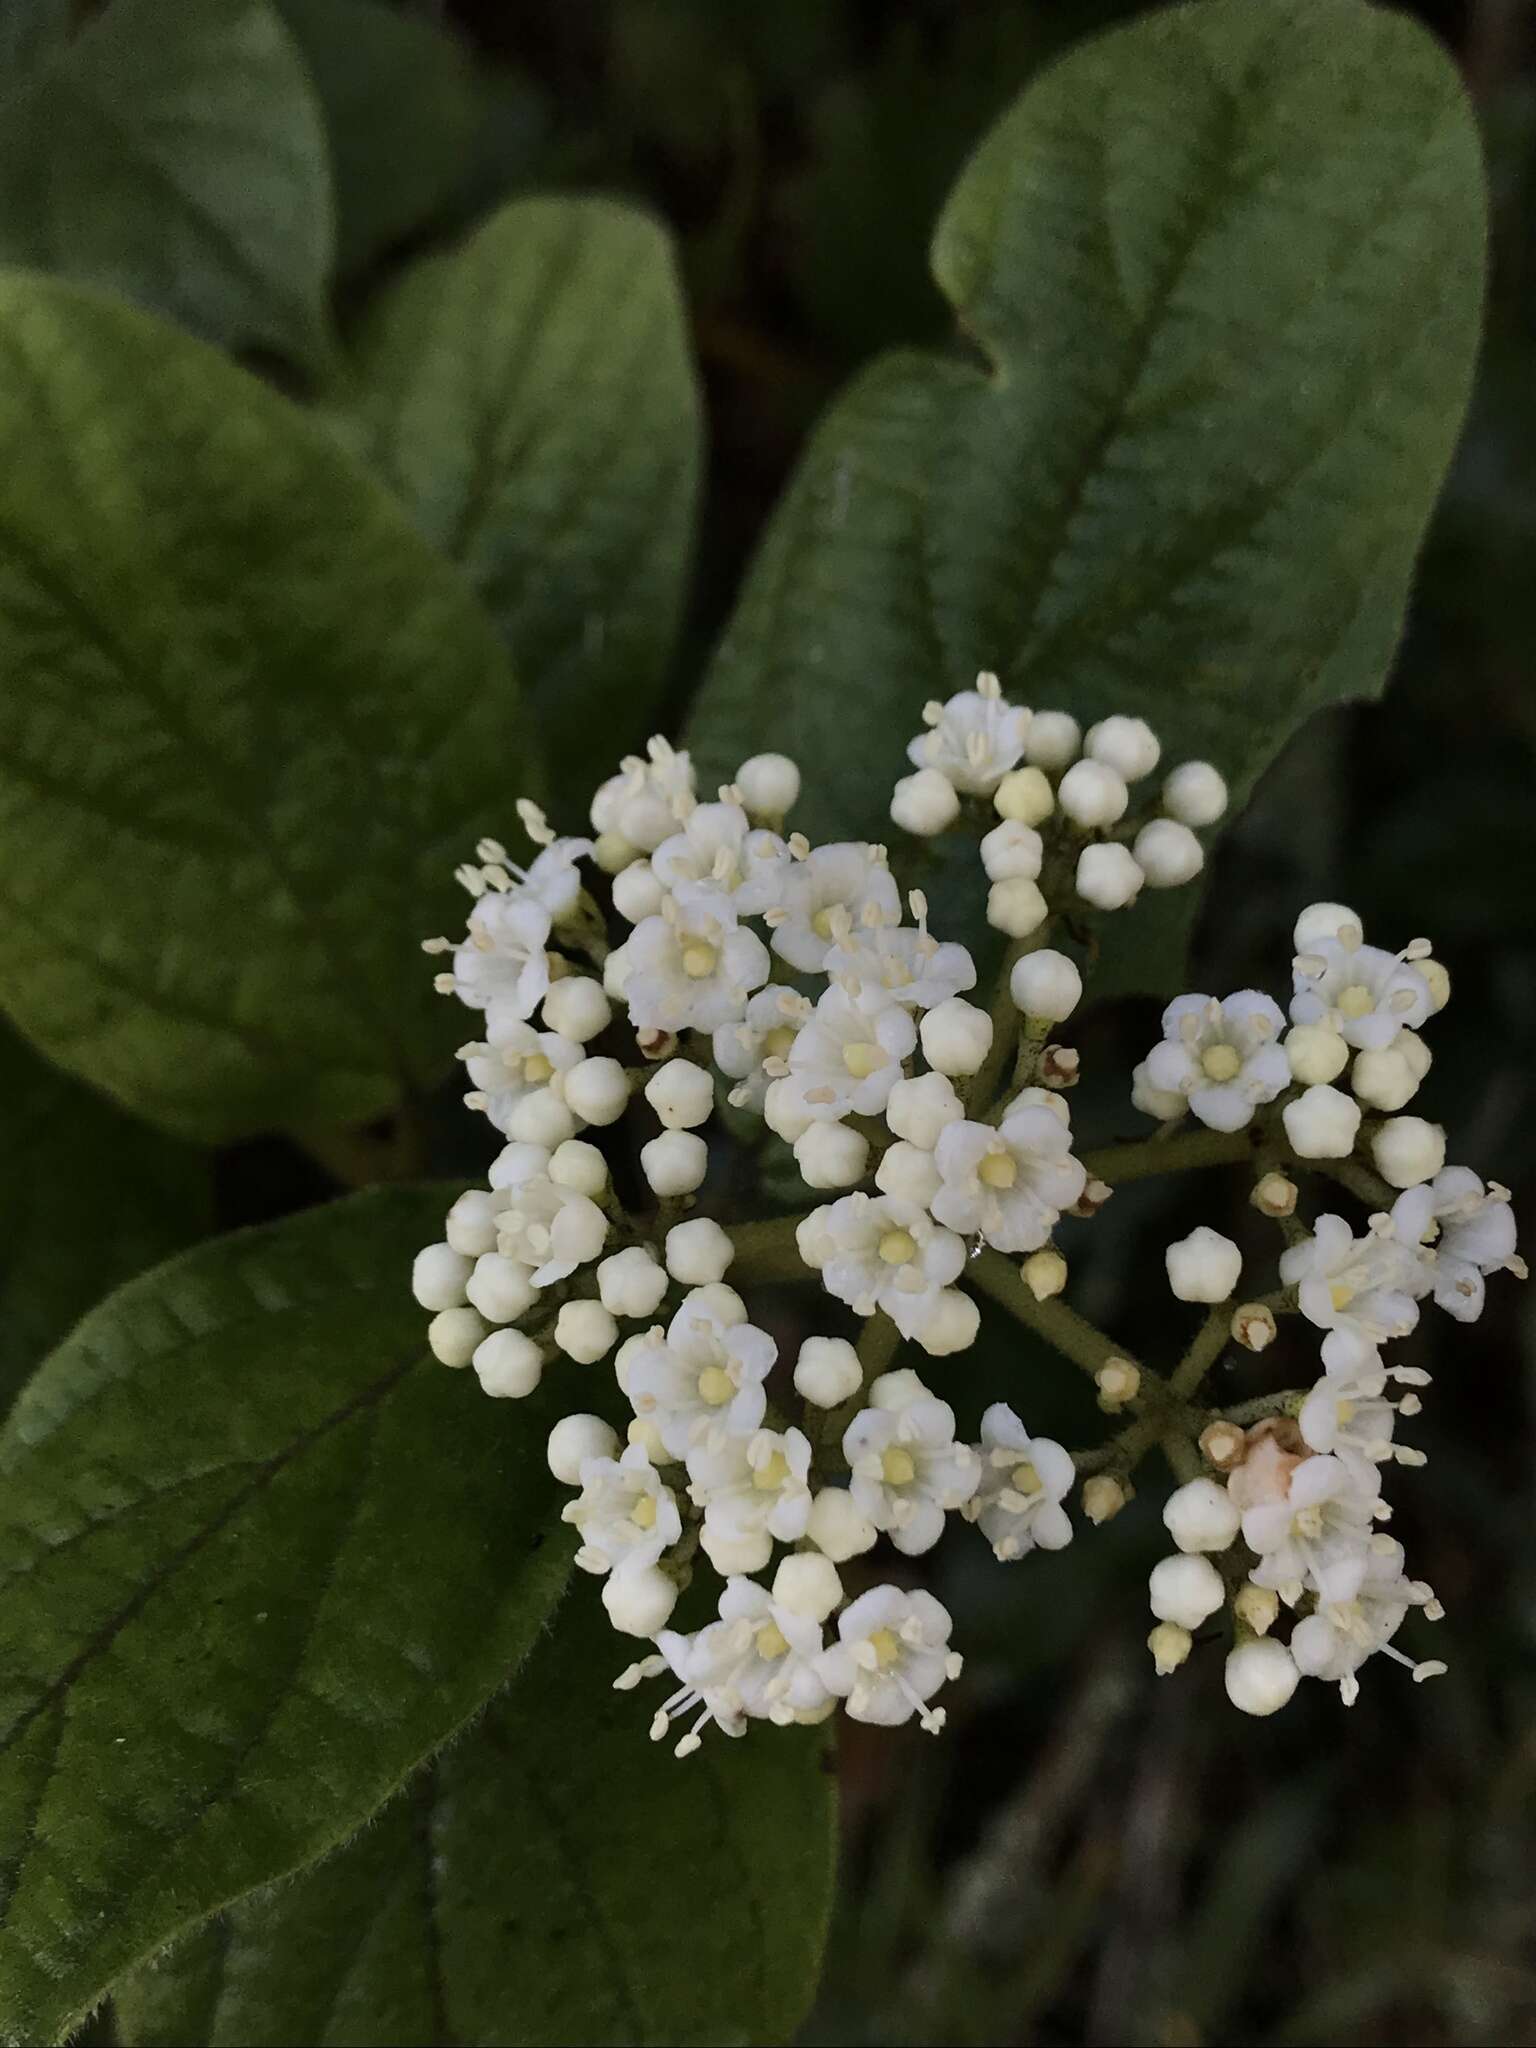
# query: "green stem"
{"points": [[1184, 1461], [1118, 1164], [1204, 1352], [1071, 1334], [1246, 1413], [1361, 1182], [767, 1252]]}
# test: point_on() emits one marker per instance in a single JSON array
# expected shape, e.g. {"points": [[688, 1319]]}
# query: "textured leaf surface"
{"points": [[553, 1877], [259, 1555], [1224, 269], [88, 1198], [250, 723], [174, 153], [531, 398], [401, 111], [29, 30]]}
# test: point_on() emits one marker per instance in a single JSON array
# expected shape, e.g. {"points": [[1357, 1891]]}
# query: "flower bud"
{"points": [[1016, 907], [577, 1008], [1060, 1066], [1044, 1273], [1163, 1103], [1128, 745], [655, 1045], [1108, 877], [1253, 1326], [1322, 921], [1274, 1195], [1408, 1150], [1322, 1124], [1169, 1645], [1317, 1053], [471, 1223], [675, 1163], [1223, 1445], [616, 972], [501, 1289], [1053, 739], [925, 803], [1092, 795], [720, 1301], [453, 1334], [631, 1283], [1260, 1676], [918, 1110], [1203, 1266], [1012, 850], [643, 1431], [1195, 794], [1118, 1382], [784, 1109], [597, 1090], [769, 785], [541, 1118], [438, 1275], [1439, 981], [698, 1251], [1024, 796], [837, 1527], [806, 1582], [579, 1167], [508, 1365], [956, 1036], [1095, 1194], [1384, 1080], [1168, 854], [1257, 1606], [951, 1324], [681, 1094], [1185, 1590], [1045, 984], [573, 1440], [908, 1173], [827, 1372], [638, 892], [1201, 1515], [585, 1331], [831, 1156], [1103, 1497], [639, 1599], [613, 852]]}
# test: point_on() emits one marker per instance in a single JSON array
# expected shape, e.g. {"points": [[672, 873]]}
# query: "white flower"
{"points": [[553, 879], [745, 1045], [1223, 1058], [1317, 1536], [891, 1656], [759, 1659], [974, 738], [908, 1471], [900, 964], [1471, 1230], [551, 1229], [1364, 994], [702, 1382], [1348, 1417], [720, 846], [1360, 1290], [692, 966], [843, 876], [643, 803], [753, 1490], [1024, 1480], [1335, 1641], [889, 1255], [1010, 1183], [624, 1516], [847, 1058], [517, 1064], [504, 960]]}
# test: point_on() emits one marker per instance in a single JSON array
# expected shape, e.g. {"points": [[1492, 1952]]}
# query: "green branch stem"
{"points": [[1144, 1157]]}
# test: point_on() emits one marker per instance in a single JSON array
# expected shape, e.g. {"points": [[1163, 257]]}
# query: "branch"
{"points": [[1139, 1160]]}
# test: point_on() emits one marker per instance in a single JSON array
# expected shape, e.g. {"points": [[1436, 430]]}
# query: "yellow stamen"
{"points": [[1025, 1479], [776, 1045], [1346, 1412], [886, 1646], [536, 1068], [699, 960], [771, 1473], [1356, 1001], [861, 1059], [771, 1642], [896, 1466], [997, 1170], [897, 1247], [821, 924], [1221, 1062], [1341, 1294], [715, 1386], [643, 1513]]}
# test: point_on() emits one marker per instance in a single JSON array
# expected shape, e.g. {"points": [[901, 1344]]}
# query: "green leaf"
{"points": [[554, 1877], [29, 31], [88, 1198], [402, 114], [531, 398], [1224, 268], [174, 153], [250, 723], [260, 1556]]}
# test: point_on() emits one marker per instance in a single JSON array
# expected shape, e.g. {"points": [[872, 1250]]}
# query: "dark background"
{"points": [[1089, 1855]]}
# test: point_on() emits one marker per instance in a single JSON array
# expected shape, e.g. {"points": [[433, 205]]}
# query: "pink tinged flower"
{"points": [[1318, 1537]]}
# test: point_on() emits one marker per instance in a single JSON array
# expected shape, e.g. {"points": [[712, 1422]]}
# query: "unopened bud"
{"points": [[1103, 1497], [656, 1045], [1118, 1382], [1059, 1066], [1223, 1445], [1274, 1195], [1092, 1199], [1044, 1273], [1257, 1606], [1253, 1326], [1169, 1645]]}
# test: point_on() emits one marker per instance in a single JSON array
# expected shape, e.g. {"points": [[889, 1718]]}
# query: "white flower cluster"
{"points": [[727, 966], [1304, 1494]]}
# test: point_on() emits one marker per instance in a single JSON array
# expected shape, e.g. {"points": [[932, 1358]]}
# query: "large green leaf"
{"points": [[259, 1556], [250, 722], [174, 152], [402, 113], [531, 398], [1222, 269], [88, 1198], [554, 1877], [29, 30]]}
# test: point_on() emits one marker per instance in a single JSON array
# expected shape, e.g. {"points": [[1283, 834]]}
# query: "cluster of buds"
{"points": [[693, 964]]}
